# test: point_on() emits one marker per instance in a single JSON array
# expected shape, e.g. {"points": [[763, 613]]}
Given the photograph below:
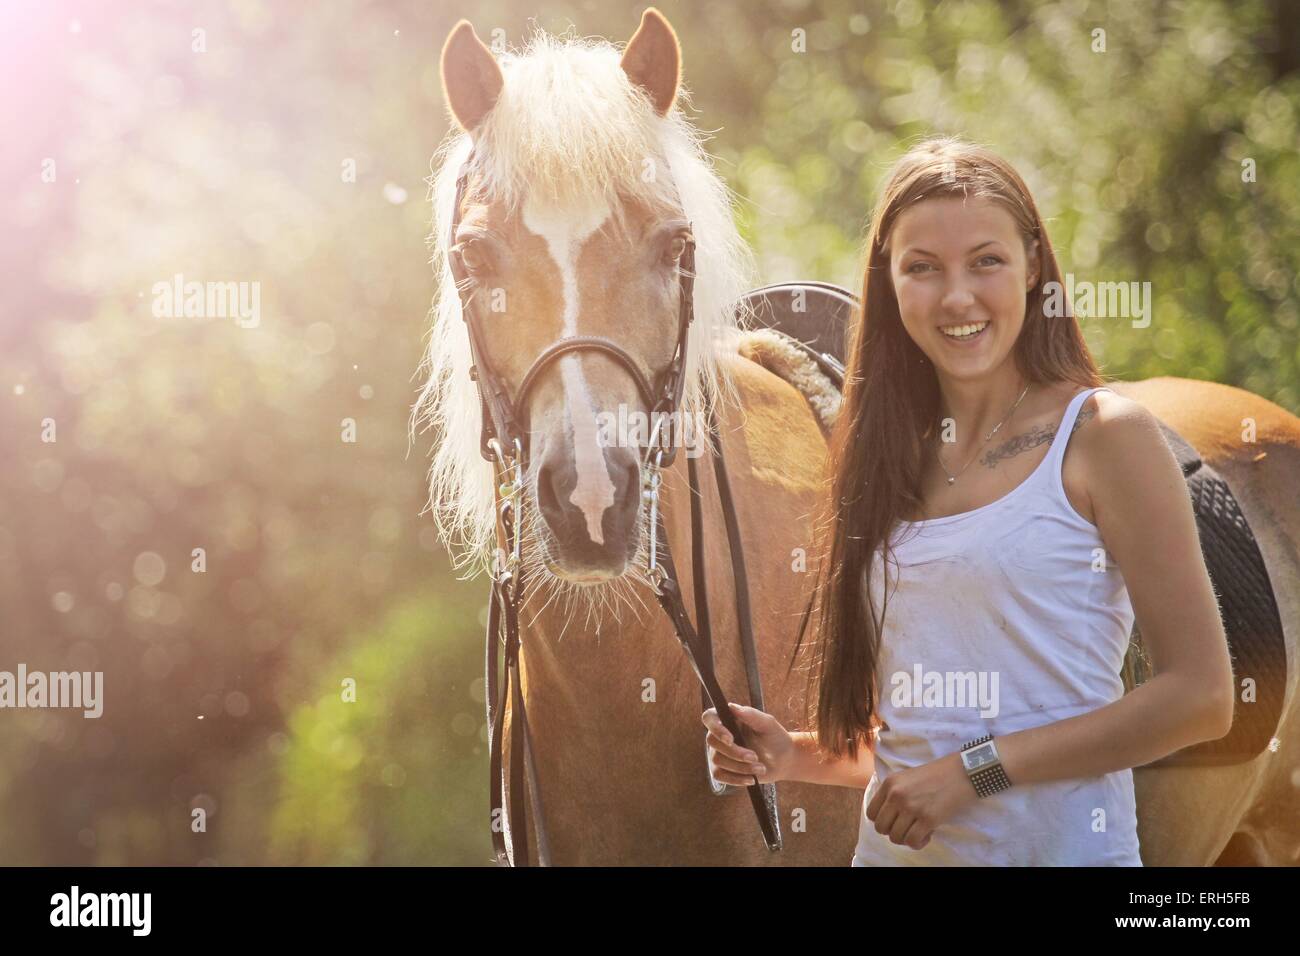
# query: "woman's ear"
{"points": [[1033, 264]]}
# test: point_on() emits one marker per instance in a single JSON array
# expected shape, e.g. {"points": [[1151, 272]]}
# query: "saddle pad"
{"points": [[793, 362], [816, 316], [1250, 618], [798, 331]]}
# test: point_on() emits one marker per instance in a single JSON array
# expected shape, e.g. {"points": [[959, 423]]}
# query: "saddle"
{"points": [[799, 332]]}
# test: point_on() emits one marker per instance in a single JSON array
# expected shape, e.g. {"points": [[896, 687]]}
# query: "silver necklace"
{"points": [[938, 457]]}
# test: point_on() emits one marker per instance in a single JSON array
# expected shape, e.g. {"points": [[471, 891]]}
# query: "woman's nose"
{"points": [[957, 297]]}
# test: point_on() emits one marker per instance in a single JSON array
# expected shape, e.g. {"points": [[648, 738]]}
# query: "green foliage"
{"points": [[393, 776]]}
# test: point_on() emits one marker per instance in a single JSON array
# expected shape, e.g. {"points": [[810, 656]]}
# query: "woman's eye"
{"points": [[989, 260], [916, 267]]}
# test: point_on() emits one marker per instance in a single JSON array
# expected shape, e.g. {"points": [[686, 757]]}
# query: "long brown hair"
{"points": [[890, 406]]}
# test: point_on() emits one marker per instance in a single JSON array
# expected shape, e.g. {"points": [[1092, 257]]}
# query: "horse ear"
{"points": [[471, 79], [653, 60]]}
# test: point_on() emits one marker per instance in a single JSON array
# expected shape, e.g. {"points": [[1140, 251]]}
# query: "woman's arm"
{"points": [[1141, 506], [811, 764], [777, 754]]}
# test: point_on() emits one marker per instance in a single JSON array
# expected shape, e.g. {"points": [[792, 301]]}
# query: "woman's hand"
{"points": [[772, 754], [911, 803]]}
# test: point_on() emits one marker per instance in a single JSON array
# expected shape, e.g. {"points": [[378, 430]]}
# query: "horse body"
{"points": [[1242, 813]]}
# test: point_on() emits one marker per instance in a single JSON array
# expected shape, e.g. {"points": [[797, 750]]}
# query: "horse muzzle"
{"points": [[589, 518]]}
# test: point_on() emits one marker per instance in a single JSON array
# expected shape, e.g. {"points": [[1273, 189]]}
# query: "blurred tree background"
{"points": [[131, 156]]}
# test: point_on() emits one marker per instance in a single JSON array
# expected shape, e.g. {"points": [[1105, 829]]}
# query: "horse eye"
{"points": [[676, 249], [474, 257]]}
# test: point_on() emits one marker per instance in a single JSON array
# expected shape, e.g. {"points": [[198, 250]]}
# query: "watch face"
{"points": [[980, 756]]}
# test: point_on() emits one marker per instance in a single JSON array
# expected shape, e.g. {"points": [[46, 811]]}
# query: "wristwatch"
{"points": [[984, 766]]}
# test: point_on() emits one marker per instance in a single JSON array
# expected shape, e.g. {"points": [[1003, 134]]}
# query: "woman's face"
{"points": [[960, 266]]}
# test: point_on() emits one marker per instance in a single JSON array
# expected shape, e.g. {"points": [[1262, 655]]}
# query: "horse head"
{"points": [[565, 206]]}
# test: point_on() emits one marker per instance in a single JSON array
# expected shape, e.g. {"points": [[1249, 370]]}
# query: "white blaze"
{"points": [[564, 231]]}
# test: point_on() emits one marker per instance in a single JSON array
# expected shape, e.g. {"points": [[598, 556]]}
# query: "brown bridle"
{"points": [[504, 441]]}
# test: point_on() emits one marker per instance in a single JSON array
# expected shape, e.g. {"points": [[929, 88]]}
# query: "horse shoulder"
{"points": [[773, 430]]}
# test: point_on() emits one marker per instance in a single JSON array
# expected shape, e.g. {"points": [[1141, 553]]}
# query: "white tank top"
{"points": [[1006, 617]]}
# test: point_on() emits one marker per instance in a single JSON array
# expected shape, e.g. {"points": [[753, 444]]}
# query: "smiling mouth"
{"points": [[965, 332]]}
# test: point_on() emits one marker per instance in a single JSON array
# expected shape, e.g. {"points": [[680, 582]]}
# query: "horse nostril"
{"points": [[547, 498], [632, 479]]}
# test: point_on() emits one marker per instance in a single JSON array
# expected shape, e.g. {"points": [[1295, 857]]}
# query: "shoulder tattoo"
{"points": [[1039, 435]]}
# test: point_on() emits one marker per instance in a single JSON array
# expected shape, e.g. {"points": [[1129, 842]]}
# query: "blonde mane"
{"points": [[570, 123]]}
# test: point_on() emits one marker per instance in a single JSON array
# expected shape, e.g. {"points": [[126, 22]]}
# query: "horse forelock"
{"points": [[568, 124]]}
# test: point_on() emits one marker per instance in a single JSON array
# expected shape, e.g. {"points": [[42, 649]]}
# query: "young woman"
{"points": [[979, 458]]}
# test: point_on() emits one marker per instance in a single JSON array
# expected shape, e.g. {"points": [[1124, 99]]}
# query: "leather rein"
{"points": [[504, 441]]}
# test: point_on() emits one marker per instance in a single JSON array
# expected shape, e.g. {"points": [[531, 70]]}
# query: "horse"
{"points": [[584, 180], [1245, 813]]}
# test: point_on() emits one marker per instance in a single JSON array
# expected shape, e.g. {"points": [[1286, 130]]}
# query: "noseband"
{"points": [[504, 441], [502, 419]]}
